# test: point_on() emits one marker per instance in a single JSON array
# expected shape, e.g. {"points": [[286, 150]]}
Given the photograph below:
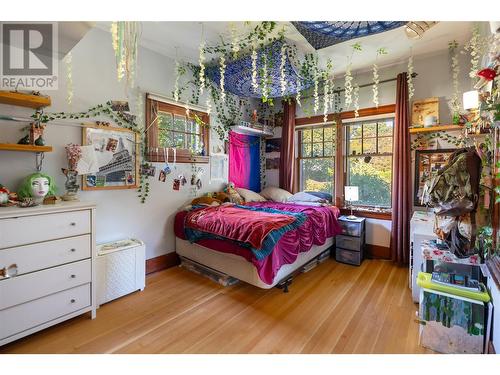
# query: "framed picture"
{"points": [[273, 163], [427, 163], [117, 151], [273, 145]]}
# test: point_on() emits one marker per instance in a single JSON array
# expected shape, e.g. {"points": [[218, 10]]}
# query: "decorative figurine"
{"points": [[36, 187]]}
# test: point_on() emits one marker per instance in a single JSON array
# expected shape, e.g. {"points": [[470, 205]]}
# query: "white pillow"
{"points": [[275, 194], [304, 197], [250, 196]]}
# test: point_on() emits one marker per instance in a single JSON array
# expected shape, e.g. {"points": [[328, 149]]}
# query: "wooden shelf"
{"points": [[437, 128], [24, 100], [27, 148]]}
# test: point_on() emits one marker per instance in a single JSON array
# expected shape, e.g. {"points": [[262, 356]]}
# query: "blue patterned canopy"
{"points": [[238, 74], [321, 34]]}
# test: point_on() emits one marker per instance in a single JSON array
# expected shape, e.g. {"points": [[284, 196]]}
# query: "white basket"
{"points": [[121, 269]]}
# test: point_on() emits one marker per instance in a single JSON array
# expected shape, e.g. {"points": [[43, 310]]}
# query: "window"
{"points": [[317, 159], [369, 161], [172, 126]]}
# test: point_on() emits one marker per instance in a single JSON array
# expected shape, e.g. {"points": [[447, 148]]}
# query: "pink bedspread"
{"points": [[237, 224], [321, 224]]}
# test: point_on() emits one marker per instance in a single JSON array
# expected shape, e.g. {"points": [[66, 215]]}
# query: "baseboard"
{"points": [[162, 262], [377, 252]]}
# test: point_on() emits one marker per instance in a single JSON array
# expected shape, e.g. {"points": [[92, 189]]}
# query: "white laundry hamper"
{"points": [[121, 269]]}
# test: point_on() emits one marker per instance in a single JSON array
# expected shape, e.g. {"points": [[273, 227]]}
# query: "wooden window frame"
{"points": [[155, 152], [301, 157], [365, 207], [388, 109]]}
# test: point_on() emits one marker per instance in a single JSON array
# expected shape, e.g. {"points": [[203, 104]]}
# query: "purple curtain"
{"points": [[401, 176], [287, 172]]}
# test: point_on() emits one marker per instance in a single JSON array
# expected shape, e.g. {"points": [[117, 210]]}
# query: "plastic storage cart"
{"points": [[121, 269]]}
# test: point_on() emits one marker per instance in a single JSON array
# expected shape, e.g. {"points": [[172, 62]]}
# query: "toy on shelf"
{"points": [[35, 188]]}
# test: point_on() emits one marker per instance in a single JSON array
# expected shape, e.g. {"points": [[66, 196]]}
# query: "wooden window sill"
{"points": [[367, 213]]}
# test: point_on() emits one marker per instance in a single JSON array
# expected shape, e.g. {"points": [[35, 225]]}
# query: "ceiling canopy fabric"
{"points": [[238, 74], [322, 34]]}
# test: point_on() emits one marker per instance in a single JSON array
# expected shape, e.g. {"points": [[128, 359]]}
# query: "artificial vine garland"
{"points": [[255, 84], [68, 60], [201, 62], [409, 78], [348, 77], [376, 77], [282, 68], [348, 87], [474, 47], [125, 39], [455, 70], [222, 70], [355, 93], [297, 95], [316, 84], [422, 139]]}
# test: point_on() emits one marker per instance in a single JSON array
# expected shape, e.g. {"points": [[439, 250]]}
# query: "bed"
{"points": [[260, 243]]}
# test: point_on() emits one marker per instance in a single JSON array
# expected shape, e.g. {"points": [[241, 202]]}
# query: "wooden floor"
{"points": [[334, 308]]}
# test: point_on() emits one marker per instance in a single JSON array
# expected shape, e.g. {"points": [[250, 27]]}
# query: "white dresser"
{"points": [[46, 266]]}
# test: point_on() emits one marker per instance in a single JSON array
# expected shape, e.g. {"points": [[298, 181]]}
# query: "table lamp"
{"points": [[351, 194]]}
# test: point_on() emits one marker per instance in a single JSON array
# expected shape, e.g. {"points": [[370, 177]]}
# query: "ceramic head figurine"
{"points": [[37, 186]]}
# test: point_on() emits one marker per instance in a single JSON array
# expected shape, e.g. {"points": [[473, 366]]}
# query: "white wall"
{"points": [[119, 212], [434, 79]]}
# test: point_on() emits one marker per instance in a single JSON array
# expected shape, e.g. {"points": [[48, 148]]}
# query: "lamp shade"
{"points": [[471, 99], [351, 193]]}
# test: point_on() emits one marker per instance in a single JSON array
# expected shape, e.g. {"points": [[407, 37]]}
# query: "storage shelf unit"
{"points": [[24, 100], [437, 128], [27, 148]]}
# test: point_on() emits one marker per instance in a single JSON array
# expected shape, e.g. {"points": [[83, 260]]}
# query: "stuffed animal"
{"points": [[221, 196], [205, 200], [234, 197]]}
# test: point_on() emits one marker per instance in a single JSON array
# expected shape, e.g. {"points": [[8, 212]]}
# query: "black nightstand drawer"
{"points": [[350, 243], [348, 256]]}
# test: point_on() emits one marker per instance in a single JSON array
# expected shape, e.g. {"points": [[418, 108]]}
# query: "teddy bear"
{"points": [[234, 196], [206, 200]]}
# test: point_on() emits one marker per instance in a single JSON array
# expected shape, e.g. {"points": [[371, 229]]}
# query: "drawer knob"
{"points": [[73, 276], [9, 271], [73, 224], [72, 250], [73, 300]]}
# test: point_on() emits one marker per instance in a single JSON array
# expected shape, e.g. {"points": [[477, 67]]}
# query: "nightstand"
{"points": [[350, 245]]}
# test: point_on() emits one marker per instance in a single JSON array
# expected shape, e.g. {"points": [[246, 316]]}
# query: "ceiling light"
{"points": [[416, 29]]}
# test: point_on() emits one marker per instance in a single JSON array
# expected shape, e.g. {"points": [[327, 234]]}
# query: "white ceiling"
{"points": [[181, 40]]}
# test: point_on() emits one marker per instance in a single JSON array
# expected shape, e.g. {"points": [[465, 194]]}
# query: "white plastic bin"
{"points": [[121, 269]]}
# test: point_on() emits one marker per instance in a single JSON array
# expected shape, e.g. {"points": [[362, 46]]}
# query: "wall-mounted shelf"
{"points": [[24, 100], [26, 148], [437, 128]]}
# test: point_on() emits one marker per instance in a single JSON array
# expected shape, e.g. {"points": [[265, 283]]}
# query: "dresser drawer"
{"points": [[348, 256], [43, 255], [21, 289], [352, 228], [37, 228], [29, 315], [351, 243]]}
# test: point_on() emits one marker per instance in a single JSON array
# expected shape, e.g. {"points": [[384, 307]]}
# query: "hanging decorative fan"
{"points": [[322, 34], [238, 74]]}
